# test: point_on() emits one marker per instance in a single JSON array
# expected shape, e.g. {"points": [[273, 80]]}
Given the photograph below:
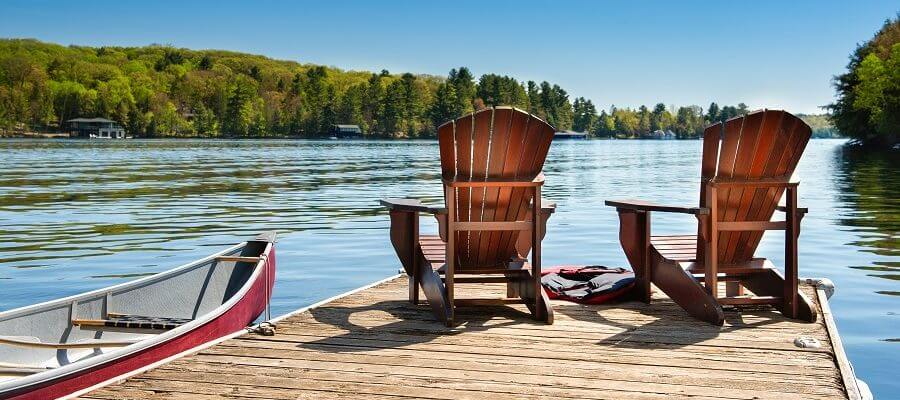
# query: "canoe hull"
{"points": [[239, 316]]}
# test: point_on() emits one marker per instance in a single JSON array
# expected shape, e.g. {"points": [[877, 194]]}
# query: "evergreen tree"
{"points": [[606, 125], [534, 99], [444, 107], [585, 115], [496, 90], [464, 85], [644, 124], [657, 117], [373, 106], [712, 114], [239, 115], [350, 110]]}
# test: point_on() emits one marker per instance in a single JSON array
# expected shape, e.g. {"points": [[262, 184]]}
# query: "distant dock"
{"points": [[570, 135], [373, 344]]}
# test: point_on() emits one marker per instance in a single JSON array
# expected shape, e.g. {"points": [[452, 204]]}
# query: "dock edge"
{"points": [[848, 377], [232, 335]]}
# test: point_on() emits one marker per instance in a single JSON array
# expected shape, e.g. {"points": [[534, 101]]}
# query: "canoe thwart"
{"points": [[253, 260], [134, 321]]}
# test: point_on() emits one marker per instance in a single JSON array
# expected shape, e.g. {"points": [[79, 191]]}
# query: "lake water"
{"points": [[80, 215]]}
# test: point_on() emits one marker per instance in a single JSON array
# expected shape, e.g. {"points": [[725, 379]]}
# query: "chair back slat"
{"points": [[762, 144], [712, 138], [495, 143], [481, 142], [790, 142], [493, 206]]}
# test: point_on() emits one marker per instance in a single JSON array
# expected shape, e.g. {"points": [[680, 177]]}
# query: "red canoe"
{"points": [[61, 347]]}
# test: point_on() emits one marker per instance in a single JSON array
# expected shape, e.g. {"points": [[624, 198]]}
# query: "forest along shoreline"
{"points": [[162, 91]]}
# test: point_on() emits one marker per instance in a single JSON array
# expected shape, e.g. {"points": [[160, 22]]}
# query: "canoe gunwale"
{"points": [[233, 335], [74, 369]]}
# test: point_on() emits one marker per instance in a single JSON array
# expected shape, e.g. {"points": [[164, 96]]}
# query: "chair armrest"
{"points": [[801, 210], [410, 205], [640, 205]]}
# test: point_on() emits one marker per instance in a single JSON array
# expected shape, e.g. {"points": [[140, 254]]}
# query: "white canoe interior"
{"points": [[48, 336]]}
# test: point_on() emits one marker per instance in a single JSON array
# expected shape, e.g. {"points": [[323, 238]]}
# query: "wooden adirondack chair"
{"points": [[747, 166], [491, 164]]}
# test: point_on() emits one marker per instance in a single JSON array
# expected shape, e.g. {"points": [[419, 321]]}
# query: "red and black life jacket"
{"points": [[592, 284]]}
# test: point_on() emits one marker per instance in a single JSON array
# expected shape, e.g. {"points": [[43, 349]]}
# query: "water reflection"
{"points": [[869, 180], [80, 215]]}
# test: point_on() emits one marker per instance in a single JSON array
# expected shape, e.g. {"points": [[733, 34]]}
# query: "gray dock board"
{"points": [[375, 345]]}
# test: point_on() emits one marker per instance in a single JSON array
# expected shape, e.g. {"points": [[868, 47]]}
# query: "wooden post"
{"points": [[450, 254], [790, 254], [711, 244], [536, 253]]}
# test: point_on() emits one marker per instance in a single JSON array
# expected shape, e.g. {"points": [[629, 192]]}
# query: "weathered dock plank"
{"points": [[375, 345]]}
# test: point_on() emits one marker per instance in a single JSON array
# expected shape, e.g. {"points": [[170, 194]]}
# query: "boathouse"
{"points": [[95, 128], [346, 131], [660, 134], [570, 135]]}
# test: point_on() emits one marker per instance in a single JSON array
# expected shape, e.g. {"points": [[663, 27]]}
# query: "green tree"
{"points": [[205, 122], [658, 117], [712, 113], [606, 125], [318, 96], [868, 94], [414, 105], [373, 102], [464, 85], [534, 99], [445, 106], [391, 122], [585, 115], [645, 125], [627, 122], [688, 122], [554, 103], [496, 90], [350, 110], [240, 111]]}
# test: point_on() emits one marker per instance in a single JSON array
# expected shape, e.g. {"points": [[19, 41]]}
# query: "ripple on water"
{"points": [[79, 215]]}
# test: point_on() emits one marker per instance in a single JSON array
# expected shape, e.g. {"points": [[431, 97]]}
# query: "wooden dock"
{"points": [[373, 344]]}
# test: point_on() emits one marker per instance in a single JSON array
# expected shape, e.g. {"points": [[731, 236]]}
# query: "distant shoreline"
{"points": [[65, 136]]}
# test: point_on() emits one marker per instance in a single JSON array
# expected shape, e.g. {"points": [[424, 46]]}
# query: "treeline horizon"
{"points": [[162, 91]]}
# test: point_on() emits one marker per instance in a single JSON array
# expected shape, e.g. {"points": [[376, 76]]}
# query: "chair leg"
{"points": [[771, 283], [634, 236], [414, 289], [436, 293], [536, 300], [685, 291], [415, 279], [791, 306], [512, 288], [405, 239]]}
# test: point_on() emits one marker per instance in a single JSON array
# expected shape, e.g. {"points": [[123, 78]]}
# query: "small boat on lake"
{"points": [[59, 347]]}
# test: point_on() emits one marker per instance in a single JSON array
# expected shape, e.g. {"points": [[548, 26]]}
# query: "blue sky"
{"points": [[627, 53]]}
